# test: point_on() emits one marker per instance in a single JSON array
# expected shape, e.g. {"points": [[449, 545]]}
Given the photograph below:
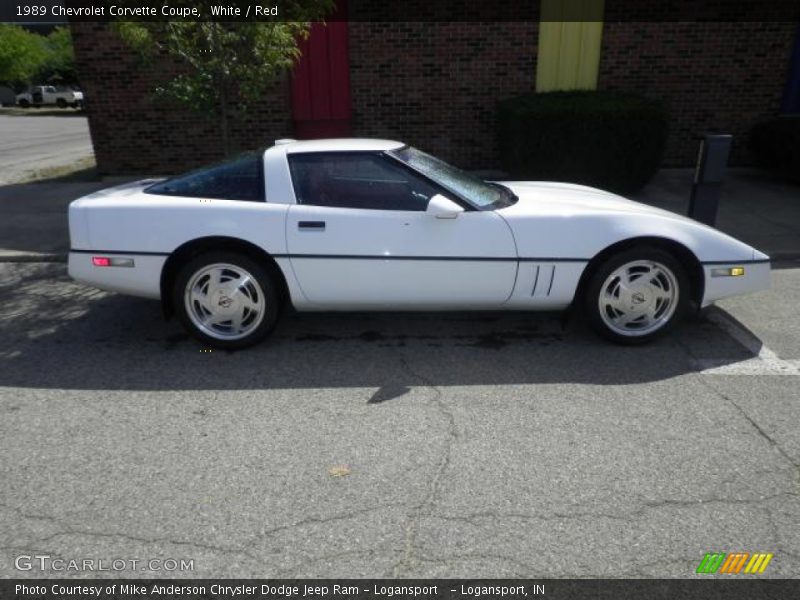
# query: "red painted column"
{"points": [[321, 81]]}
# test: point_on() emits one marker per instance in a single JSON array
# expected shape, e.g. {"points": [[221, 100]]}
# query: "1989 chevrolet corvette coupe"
{"points": [[359, 224]]}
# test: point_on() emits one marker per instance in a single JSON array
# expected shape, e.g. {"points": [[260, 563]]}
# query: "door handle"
{"points": [[318, 225]]}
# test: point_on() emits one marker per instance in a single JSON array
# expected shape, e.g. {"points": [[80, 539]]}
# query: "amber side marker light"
{"points": [[728, 272]]}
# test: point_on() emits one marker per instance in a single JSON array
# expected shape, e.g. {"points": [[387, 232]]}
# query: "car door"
{"points": [[360, 235]]}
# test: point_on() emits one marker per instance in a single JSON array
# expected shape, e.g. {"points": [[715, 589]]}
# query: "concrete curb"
{"points": [[784, 257], [31, 257]]}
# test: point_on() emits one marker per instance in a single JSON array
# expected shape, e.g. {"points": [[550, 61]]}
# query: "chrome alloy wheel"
{"points": [[224, 301], [638, 298]]}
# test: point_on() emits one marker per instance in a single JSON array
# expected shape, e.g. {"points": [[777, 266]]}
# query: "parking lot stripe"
{"points": [[764, 362]]}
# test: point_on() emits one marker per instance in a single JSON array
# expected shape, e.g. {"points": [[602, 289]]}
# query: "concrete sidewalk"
{"points": [[754, 208]]}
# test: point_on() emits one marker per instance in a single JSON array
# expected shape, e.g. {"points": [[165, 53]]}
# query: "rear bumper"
{"points": [[718, 285], [143, 278]]}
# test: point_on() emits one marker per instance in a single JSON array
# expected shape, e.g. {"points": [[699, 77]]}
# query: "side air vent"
{"points": [[543, 276]]}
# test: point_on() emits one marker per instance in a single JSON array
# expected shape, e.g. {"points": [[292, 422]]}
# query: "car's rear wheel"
{"points": [[226, 300], [637, 295], [24, 103]]}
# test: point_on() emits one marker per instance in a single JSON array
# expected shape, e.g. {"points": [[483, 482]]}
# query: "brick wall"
{"points": [[134, 133], [713, 76], [435, 85]]}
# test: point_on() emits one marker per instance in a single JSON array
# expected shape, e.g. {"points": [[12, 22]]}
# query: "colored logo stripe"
{"points": [[758, 563], [711, 562], [734, 562]]}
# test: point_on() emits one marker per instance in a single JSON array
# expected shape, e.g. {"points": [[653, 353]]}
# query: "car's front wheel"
{"points": [[226, 300], [637, 295]]}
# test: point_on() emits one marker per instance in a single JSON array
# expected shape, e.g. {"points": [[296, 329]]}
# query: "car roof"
{"points": [[341, 145]]}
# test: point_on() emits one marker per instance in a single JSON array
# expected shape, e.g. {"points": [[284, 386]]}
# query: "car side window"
{"points": [[239, 179], [356, 180]]}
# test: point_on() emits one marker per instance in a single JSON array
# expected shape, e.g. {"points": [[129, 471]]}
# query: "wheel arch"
{"points": [[195, 247], [687, 258]]}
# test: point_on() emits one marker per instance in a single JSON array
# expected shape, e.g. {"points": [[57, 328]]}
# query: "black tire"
{"points": [[265, 280], [61, 103], [24, 103], [598, 283]]}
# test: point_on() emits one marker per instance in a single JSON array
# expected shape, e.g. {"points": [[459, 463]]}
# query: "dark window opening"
{"points": [[791, 94], [358, 180], [239, 179]]}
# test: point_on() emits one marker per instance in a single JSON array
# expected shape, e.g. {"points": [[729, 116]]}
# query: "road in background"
{"points": [[31, 143], [452, 445]]}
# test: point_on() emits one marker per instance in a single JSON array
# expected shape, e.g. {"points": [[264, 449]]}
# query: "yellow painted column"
{"points": [[569, 49]]}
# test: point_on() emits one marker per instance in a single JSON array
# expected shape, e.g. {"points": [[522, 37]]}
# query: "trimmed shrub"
{"points": [[607, 140], [775, 144]]}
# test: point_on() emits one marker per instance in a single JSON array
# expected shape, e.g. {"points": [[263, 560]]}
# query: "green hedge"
{"points": [[775, 144], [608, 140]]}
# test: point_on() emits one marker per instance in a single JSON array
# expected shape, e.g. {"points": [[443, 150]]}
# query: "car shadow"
{"points": [[57, 334]]}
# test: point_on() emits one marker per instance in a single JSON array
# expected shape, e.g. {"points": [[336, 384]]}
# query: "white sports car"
{"points": [[360, 224]]}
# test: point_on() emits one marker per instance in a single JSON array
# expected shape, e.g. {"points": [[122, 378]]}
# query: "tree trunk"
{"points": [[222, 87], [223, 121]]}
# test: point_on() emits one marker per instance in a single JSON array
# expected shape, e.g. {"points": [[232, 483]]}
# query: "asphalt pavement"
{"points": [[458, 445], [395, 445], [36, 140]]}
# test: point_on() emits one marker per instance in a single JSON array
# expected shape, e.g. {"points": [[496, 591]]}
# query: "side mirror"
{"points": [[442, 207]]}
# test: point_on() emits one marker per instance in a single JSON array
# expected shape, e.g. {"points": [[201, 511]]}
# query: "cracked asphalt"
{"points": [[403, 445]]}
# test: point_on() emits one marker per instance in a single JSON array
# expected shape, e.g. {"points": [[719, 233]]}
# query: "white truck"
{"points": [[49, 95]]}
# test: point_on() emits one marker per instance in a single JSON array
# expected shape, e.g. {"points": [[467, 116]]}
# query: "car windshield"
{"points": [[480, 194]]}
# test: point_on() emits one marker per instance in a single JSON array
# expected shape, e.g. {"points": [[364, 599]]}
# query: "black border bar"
{"points": [[731, 587], [61, 11]]}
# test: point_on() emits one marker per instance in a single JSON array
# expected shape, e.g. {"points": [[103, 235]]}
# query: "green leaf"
{"points": [[223, 67]]}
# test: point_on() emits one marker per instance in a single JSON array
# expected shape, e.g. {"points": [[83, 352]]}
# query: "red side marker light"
{"points": [[101, 261]]}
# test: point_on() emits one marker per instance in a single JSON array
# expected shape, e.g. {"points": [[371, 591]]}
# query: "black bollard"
{"points": [[708, 176]]}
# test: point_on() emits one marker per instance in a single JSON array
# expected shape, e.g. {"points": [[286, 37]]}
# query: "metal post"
{"points": [[708, 177]]}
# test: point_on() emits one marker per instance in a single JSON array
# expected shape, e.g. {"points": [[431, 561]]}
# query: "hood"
{"points": [[562, 219], [571, 199]]}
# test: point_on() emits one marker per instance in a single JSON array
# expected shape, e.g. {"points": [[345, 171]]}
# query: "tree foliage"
{"points": [[22, 54], [27, 57], [224, 67], [59, 66]]}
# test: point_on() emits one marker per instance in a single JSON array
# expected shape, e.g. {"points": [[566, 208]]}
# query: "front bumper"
{"points": [[756, 278]]}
